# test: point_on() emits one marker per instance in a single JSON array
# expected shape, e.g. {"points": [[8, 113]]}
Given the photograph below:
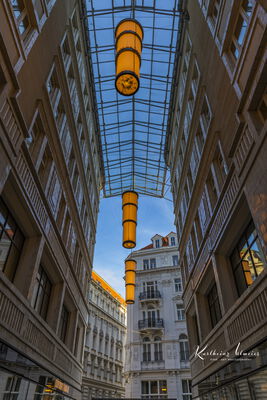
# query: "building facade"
{"points": [[157, 356], [105, 342], [50, 177], [217, 151]]}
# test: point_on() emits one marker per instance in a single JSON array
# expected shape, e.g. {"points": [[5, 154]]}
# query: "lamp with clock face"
{"points": [[129, 36]]}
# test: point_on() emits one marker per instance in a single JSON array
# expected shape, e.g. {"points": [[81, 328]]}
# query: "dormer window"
{"points": [[172, 241], [157, 243]]}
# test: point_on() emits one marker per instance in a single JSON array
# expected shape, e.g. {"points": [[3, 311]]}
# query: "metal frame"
{"points": [[133, 130]]}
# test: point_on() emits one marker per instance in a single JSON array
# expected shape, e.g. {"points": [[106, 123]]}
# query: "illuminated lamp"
{"points": [[129, 35], [129, 218], [130, 267]]}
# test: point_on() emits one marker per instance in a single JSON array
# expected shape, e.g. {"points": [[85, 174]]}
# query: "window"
{"points": [[63, 323], [180, 312], [247, 259], [12, 389], [241, 28], [175, 260], [146, 264], [150, 289], [41, 293], [214, 10], [187, 391], [146, 349], [178, 285], [219, 167], [152, 263], [262, 108], [212, 190], [20, 13], [153, 389], [184, 348], [158, 356], [205, 115], [45, 167], [172, 241], [200, 140], [37, 136], [214, 305], [157, 243], [11, 242]]}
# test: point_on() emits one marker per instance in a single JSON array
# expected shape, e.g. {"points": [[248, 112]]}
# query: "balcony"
{"points": [[150, 324], [150, 296]]}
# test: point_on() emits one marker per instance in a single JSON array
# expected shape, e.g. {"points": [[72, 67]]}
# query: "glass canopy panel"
{"points": [[133, 129]]}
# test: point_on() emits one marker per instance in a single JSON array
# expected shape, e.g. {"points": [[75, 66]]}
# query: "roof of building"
{"points": [[97, 278], [165, 241]]}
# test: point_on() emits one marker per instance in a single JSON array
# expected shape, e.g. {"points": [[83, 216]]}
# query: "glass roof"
{"points": [[133, 129]]}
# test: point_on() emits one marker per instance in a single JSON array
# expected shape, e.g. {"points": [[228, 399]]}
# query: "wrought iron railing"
{"points": [[150, 294], [150, 323]]}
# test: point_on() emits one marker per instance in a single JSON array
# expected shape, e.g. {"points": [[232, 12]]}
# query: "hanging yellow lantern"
{"points": [[129, 218], [129, 35], [130, 267]]}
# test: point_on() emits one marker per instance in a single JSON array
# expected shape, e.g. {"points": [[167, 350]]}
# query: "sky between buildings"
{"points": [[154, 216]]}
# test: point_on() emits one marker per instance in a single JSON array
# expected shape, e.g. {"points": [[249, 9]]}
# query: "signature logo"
{"points": [[205, 352]]}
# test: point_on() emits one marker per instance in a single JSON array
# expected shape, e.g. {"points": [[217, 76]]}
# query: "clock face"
{"points": [[127, 84]]}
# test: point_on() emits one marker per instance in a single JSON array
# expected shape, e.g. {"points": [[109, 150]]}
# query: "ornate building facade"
{"points": [[105, 342], [157, 356], [50, 177], [217, 153]]}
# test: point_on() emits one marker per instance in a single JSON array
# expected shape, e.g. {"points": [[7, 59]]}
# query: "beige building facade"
{"points": [[50, 177], [217, 153], [105, 342]]}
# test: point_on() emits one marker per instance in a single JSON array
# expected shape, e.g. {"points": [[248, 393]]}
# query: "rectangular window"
{"points": [[157, 243], [152, 263], [11, 242], [21, 15], [154, 389], [241, 28], [41, 293], [214, 305], [172, 241], [178, 284], [12, 388], [63, 323], [187, 391], [247, 259], [184, 349], [145, 264], [175, 260], [180, 312]]}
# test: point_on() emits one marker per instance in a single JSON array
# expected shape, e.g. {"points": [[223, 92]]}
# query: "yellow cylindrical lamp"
{"points": [[129, 35], [130, 267], [129, 218]]}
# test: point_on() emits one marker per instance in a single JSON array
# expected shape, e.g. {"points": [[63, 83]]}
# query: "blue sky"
{"points": [[154, 216]]}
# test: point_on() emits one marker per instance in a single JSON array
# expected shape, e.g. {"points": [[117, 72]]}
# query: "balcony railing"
{"points": [[150, 323], [150, 295]]}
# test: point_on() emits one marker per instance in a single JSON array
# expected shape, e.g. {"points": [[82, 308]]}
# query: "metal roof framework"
{"points": [[133, 129]]}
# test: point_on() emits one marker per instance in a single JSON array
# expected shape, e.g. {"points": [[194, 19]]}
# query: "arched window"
{"points": [[158, 356], [146, 349], [184, 348]]}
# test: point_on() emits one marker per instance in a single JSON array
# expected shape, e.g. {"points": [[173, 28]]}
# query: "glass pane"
{"points": [[240, 30], [247, 6], [258, 257], [240, 280], [23, 25], [153, 387], [145, 389], [5, 244]]}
